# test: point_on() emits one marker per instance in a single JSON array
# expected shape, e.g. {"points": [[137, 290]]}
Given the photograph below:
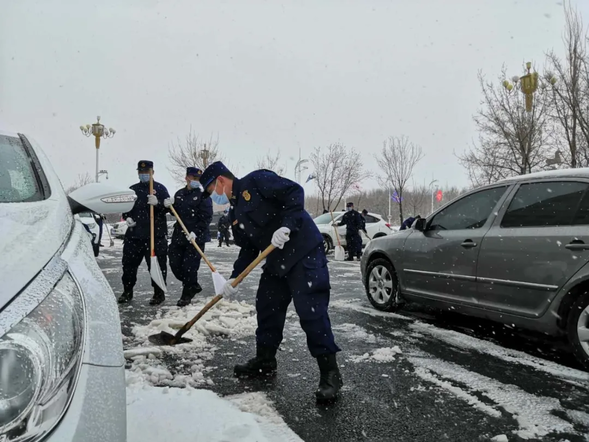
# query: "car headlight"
{"points": [[39, 363]]}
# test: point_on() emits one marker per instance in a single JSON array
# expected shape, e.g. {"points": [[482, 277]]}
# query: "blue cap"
{"points": [[211, 173], [193, 171], [144, 165], [350, 204]]}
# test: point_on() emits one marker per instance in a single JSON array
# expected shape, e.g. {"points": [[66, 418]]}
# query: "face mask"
{"points": [[144, 177], [219, 199], [195, 185], [348, 209]]}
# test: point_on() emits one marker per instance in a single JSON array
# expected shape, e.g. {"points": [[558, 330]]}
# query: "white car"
{"points": [[376, 227], [61, 355]]}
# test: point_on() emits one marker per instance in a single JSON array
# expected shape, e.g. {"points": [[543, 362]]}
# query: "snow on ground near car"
{"points": [[157, 414]]}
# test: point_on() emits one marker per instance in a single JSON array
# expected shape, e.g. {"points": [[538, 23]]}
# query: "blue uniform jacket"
{"points": [[140, 212], [195, 212], [353, 221], [262, 202], [407, 223]]}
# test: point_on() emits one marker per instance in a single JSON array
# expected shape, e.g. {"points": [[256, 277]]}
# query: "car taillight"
{"points": [[388, 225]]}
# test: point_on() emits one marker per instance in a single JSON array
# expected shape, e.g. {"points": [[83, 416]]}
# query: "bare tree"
{"points": [[80, 181], [397, 160], [189, 153], [337, 168], [271, 162], [417, 199], [512, 141], [570, 91]]}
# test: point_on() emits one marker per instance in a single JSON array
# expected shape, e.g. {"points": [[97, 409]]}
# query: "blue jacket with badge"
{"points": [[262, 202], [140, 212], [195, 212]]}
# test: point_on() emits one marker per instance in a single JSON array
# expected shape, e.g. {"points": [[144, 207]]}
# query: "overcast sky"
{"points": [[262, 75]]}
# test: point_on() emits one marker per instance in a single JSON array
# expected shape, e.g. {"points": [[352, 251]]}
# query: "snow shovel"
{"points": [[339, 252], [154, 269], [112, 243], [165, 338], [218, 280]]}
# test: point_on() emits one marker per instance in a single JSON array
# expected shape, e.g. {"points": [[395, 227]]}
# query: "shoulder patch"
{"points": [[246, 195]]}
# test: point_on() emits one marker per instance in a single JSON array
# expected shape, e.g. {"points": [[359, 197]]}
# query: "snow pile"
{"points": [[231, 320], [352, 331], [157, 414], [381, 355]]}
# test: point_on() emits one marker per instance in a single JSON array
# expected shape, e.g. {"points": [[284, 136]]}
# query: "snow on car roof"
{"points": [[562, 173], [8, 133]]}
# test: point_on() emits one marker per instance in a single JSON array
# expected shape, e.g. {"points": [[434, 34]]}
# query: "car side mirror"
{"points": [[420, 224], [101, 198]]}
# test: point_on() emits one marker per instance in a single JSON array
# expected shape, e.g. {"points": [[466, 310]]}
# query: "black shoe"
{"points": [[188, 293], [126, 297], [158, 296], [220, 245], [350, 259], [331, 380], [263, 364]]}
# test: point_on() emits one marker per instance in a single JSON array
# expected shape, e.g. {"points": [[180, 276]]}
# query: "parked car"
{"points": [[119, 229], [376, 227], [90, 221], [515, 252], [60, 339]]}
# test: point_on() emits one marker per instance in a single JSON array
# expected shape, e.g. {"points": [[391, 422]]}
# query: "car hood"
{"points": [[30, 235]]}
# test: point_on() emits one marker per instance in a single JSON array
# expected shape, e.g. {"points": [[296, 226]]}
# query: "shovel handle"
{"points": [[192, 241], [217, 298], [261, 257], [151, 220]]}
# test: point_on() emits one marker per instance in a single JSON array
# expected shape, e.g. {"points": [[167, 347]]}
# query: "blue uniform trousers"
{"points": [[307, 285], [137, 249], [354, 244], [184, 259]]}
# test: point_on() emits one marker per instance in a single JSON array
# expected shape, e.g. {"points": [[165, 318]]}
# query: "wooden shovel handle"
{"points": [[217, 298], [151, 216], [192, 241]]}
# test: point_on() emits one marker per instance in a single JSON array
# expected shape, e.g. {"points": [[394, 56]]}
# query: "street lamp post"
{"points": [[528, 84], [431, 189], [98, 131], [204, 154]]}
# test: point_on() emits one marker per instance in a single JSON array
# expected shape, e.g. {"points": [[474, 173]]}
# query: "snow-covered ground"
{"points": [[507, 389]]}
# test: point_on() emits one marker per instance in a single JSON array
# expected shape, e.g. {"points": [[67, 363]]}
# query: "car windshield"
{"points": [[17, 178], [325, 218]]}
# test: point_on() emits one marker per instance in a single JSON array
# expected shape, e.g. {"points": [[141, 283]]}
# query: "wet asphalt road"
{"points": [[455, 378]]}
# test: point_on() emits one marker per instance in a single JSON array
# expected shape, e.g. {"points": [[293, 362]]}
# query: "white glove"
{"points": [[191, 237], [169, 202], [280, 237], [152, 199], [229, 291], [130, 222]]}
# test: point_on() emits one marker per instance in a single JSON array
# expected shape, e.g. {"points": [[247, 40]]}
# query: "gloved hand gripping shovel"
{"points": [[218, 280], [165, 338]]}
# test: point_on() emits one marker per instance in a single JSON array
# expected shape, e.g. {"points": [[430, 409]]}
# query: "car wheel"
{"points": [[382, 285], [578, 328], [327, 244]]}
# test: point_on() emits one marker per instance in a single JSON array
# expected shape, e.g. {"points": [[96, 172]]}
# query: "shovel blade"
{"points": [[156, 274], [165, 338], [339, 253], [218, 283]]}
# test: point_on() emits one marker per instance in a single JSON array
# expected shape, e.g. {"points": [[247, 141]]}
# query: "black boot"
{"points": [[263, 364], [188, 292], [126, 297], [158, 296], [331, 379]]}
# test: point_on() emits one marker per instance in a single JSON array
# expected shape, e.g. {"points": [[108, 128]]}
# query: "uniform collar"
{"points": [[235, 192]]}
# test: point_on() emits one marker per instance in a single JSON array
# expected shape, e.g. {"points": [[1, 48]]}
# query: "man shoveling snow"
{"points": [[266, 208]]}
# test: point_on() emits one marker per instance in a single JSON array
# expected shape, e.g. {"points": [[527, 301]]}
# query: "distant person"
{"points": [[354, 224], [409, 222], [137, 238], [223, 227], [196, 213]]}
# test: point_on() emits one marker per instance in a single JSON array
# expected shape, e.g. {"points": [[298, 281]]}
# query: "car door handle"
{"points": [[469, 243], [577, 245]]}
